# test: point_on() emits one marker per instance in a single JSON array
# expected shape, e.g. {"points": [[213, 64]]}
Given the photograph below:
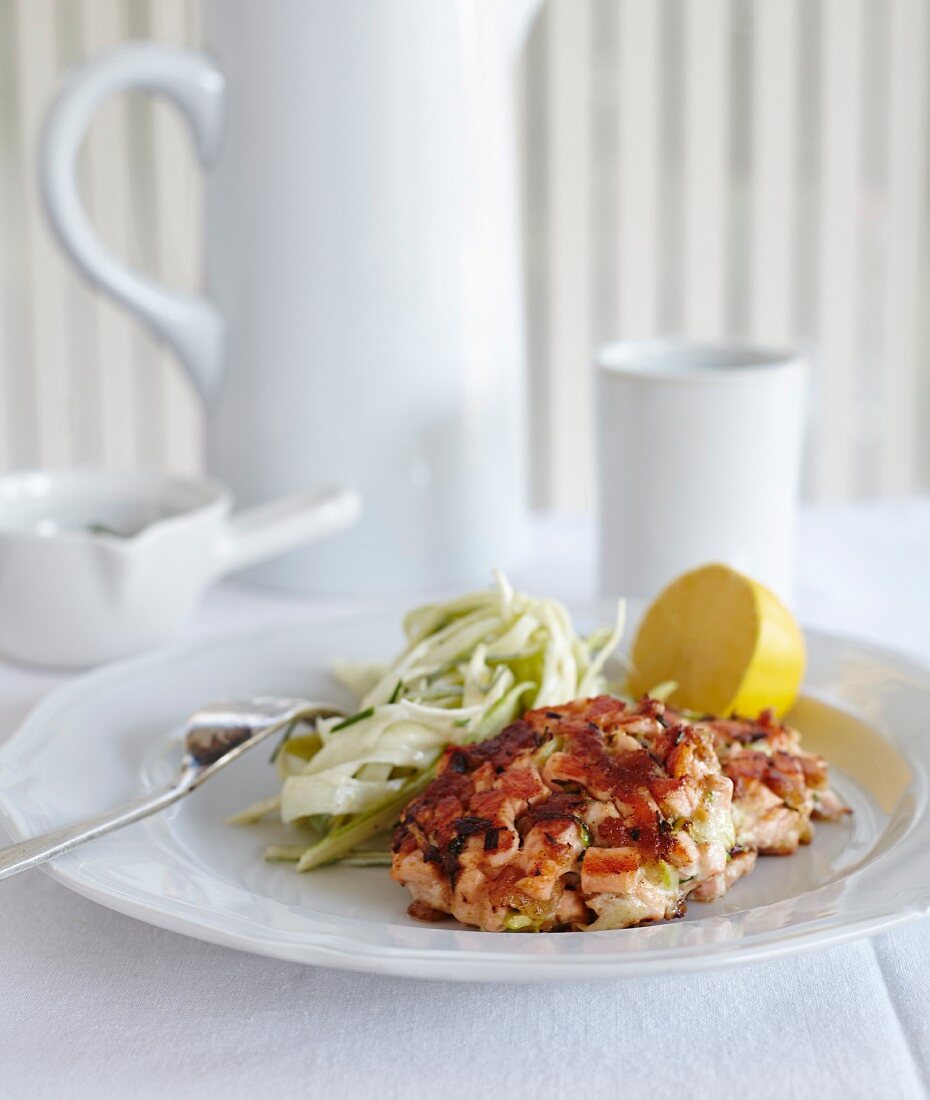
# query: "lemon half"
{"points": [[730, 645]]}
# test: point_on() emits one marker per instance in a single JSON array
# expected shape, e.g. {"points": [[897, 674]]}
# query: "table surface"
{"points": [[97, 1004]]}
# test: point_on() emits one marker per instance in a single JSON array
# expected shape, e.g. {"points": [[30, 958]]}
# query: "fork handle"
{"points": [[25, 854]]}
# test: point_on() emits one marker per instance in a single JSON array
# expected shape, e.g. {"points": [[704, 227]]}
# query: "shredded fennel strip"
{"points": [[470, 667]]}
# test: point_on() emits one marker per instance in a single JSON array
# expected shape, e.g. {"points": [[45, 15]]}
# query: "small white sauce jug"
{"points": [[98, 564]]}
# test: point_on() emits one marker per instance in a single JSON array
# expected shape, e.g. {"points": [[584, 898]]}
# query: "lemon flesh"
{"points": [[728, 643]]}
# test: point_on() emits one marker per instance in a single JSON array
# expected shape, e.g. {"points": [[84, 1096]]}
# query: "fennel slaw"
{"points": [[470, 667]]}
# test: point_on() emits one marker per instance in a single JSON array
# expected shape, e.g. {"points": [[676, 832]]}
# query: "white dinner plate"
{"points": [[99, 739]]}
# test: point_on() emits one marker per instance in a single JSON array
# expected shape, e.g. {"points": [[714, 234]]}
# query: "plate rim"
{"points": [[323, 948]]}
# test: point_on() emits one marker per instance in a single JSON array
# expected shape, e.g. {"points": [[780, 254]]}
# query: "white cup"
{"points": [[699, 452], [98, 564]]}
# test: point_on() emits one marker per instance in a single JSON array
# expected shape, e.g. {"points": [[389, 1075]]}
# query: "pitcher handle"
{"points": [[191, 324]]}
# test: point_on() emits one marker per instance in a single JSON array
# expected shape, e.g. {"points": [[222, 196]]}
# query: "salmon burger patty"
{"points": [[592, 815]]}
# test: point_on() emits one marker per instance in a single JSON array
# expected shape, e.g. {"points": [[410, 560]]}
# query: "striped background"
{"points": [[710, 168], [80, 382]]}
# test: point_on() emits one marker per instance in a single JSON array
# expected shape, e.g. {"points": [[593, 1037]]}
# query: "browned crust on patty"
{"points": [[567, 803]]}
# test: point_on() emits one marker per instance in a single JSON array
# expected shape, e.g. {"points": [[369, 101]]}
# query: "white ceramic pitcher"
{"points": [[363, 313]]}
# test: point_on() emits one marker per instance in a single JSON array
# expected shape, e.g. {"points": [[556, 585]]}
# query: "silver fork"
{"points": [[215, 736]]}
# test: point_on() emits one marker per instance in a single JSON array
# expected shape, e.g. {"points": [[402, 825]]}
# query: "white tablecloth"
{"points": [[93, 1004]]}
